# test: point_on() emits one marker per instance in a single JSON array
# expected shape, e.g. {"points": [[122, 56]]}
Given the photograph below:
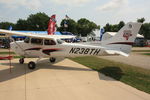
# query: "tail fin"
{"points": [[51, 25], [122, 42]]}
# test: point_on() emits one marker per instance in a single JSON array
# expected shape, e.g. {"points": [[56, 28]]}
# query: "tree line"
{"points": [[81, 27], [39, 22], [145, 28], [36, 22]]}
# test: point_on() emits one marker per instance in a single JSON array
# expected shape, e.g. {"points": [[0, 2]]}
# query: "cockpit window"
{"points": [[36, 41], [49, 42], [27, 39], [60, 41]]}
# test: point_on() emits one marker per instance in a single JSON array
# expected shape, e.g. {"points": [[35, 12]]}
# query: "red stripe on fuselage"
{"points": [[36, 48], [48, 51], [126, 43]]}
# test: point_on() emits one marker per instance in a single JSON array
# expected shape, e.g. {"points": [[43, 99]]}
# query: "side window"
{"points": [[27, 39], [49, 42], [36, 41]]}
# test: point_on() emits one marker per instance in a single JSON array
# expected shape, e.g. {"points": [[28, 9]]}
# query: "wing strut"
{"points": [[9, 56]]}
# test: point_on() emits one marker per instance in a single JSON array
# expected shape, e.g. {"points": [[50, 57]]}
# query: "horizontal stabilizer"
{"points": [[117, 52]]}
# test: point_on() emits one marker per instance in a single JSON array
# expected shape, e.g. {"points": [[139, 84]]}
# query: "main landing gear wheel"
{"points": [[21, 60], [31, 65], [52, 60]]}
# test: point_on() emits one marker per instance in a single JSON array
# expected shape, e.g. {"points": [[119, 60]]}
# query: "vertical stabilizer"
{"points": [[124, 39]]}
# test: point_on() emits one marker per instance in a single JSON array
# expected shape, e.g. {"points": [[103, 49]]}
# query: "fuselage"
{"points": [[56, 49]]}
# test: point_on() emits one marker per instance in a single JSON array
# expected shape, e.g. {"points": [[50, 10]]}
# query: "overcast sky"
{"points": [[98, 11]]}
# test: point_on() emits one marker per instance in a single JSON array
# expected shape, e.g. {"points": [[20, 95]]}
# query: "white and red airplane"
{"points": [[51, 46]]}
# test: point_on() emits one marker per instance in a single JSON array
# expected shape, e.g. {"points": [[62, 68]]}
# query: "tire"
{"points": [[21, 60], [52, 59], [31, 65]]}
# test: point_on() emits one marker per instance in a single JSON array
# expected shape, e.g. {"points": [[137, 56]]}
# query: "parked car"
{"points": [[4, 43]]}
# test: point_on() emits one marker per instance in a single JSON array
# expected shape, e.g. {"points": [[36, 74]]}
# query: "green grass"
{"points": [[3, 53], [7, 53], [17, 57], [131, 75], [140, 50], [148, 54]]}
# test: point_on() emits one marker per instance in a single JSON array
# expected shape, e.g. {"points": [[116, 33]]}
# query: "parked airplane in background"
{"points": [[41, 46]]}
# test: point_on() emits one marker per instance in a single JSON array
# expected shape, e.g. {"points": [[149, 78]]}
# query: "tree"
{"points": [[21, 25], [114, 28], [38, 21], [86, 27], [68, 25], [141, 20], [145, 30], [107, 27], [120, 25], [82, 27], [6, 25]]}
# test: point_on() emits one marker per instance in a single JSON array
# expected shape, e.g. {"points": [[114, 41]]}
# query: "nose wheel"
{"points": [[31, 65], [52, 59]]}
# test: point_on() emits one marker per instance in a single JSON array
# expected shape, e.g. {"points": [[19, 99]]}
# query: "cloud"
{"points": [[36, 4], [71, 2], [30, 4], [113, 4]]}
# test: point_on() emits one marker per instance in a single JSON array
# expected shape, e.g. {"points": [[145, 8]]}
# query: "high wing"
{"points": [[10, 33]]}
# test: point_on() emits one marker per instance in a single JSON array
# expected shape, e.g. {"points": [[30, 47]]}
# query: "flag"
{"points": [[10, 28], [51, 25], [65, 21], [65, 24], [102, 30], [67, 17]]}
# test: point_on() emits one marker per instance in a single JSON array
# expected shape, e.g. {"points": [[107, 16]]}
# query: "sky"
{"points": [[100, 12]]}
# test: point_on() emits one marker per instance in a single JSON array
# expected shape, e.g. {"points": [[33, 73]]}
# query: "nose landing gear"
{"points": [[31, 65], [52, 59]]}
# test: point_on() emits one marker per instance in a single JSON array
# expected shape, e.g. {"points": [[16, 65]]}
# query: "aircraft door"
{"points": [[49, 46]]}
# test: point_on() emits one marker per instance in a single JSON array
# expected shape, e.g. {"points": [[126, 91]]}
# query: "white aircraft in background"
{"points": [[52, 46]]}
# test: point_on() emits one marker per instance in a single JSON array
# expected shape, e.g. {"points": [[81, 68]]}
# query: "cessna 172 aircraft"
{"points": [[40, 46]]}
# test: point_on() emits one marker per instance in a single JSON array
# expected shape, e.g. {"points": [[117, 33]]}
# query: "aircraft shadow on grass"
{"points": [[115, 72]]}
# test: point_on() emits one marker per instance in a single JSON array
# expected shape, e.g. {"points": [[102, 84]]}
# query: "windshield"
{"points": [[27, 39], [60, 41]]}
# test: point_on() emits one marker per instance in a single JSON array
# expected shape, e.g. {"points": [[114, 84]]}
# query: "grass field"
{"points": [[4, 53], [7, 54], [131, 75], [148, 54], [140, 50], [143, 52]]}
